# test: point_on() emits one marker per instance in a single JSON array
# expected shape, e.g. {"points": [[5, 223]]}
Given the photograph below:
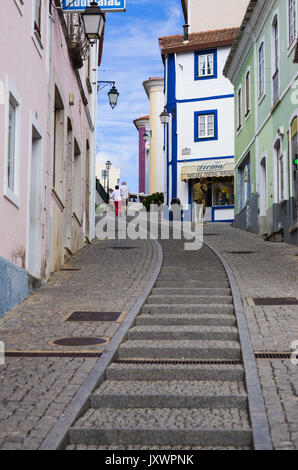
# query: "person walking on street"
{"points": [[117, 198], [125, 195]]}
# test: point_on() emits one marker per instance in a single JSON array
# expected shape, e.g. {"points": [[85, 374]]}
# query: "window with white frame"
{"points": [[261, 70], [206, 64], [275, 60], [247, 93], [20, 5], [11, 147], [206, 125], [292, 14], [239, 108], [37, 16]]}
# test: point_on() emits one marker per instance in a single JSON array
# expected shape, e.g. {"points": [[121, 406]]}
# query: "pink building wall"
{"points": [[22, 72], [37, 221]]}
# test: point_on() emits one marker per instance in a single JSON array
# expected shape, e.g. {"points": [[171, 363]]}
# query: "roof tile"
{"points": [[203, 39]]}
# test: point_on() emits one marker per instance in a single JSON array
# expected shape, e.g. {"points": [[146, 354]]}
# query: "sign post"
{"points": [[106, 6]]}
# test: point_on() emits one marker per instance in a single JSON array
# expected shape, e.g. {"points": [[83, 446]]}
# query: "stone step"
{"points": [[193, 275], [190, 291], [187, 299], [165, 394], [193, 283], [194, 372], [166, 426], [188, 308], [196, 267], [144, 447], [186, 319], [179, 349], [183, 332]]}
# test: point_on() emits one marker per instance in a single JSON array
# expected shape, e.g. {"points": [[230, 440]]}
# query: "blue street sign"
{"points": [[105, 5]]}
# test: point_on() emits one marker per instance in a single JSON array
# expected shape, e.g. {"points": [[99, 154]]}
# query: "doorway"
{"points": [[35, 207], [263, 187]]}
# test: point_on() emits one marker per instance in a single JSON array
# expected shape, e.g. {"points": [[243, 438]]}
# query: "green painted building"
{"points": [[263, 68]]}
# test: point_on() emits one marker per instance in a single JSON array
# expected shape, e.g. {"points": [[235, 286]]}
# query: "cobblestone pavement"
{"points": [[36, 391], [270, 271]]}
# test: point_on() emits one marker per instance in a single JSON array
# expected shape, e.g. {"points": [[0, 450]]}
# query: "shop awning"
{"points": [[214, 168]]}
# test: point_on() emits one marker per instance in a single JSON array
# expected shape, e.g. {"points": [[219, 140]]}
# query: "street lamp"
{"points": [[113, 93], [164, 117], [94, 21], [104, 175], [113, 96], [108, 167], [145, 137]]}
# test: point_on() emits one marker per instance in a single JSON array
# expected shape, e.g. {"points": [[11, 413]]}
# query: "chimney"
{"points": [[185, 28]]}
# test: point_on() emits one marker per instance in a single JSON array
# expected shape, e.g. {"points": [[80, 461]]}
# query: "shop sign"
{"points": [[105, 5], [205, 170]]}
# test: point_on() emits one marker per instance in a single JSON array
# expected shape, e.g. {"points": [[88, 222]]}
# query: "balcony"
{"points": [[78, 44]]}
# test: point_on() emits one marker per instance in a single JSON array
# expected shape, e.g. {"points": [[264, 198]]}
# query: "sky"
{"points": [[131, 55]]}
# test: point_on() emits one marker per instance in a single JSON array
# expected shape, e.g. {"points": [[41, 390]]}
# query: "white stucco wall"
{"points": [[202, 95], [215, 14]]}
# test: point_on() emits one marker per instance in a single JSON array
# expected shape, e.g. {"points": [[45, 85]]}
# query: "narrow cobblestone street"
{"points": [[35, 391]]}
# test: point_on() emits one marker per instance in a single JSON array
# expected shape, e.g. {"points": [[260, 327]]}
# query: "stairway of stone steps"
{"points": [[178, 382]]}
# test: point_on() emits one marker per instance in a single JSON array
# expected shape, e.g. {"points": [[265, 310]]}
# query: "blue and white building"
{"points": [[199, 140]]}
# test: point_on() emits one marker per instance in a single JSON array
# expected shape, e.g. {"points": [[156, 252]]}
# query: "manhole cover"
{"points": [[80, 341], [275, 301], [94, 316]]}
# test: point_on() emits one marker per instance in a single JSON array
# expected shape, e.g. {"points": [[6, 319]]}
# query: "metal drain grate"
{"points": [[60, 354], [94, 316], [273, 355], [179, 362], [275, 301]]}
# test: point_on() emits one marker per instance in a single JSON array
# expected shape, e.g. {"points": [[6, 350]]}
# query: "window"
{"points": [[292, 20], [275, 60], [294, 147], [239, 108], [37, 16], [206, 125], [243, 173], [13, 106], [77, 189], [20, 5], [11, 157], [223, 193], [261, 70], [247, 93], [205, 65], [58, 171], [280, 174]]}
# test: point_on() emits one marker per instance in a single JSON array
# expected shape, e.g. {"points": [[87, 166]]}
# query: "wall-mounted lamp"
{"points": [[94, 21]]}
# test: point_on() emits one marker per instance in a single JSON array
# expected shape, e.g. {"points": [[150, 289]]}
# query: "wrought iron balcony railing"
{"points": [[78, 43]]}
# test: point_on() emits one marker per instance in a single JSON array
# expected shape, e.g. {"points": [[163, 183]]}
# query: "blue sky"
{"points": [[131, 55]]}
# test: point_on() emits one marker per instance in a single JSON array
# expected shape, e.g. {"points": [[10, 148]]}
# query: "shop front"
{"points": [[217, 179]]}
